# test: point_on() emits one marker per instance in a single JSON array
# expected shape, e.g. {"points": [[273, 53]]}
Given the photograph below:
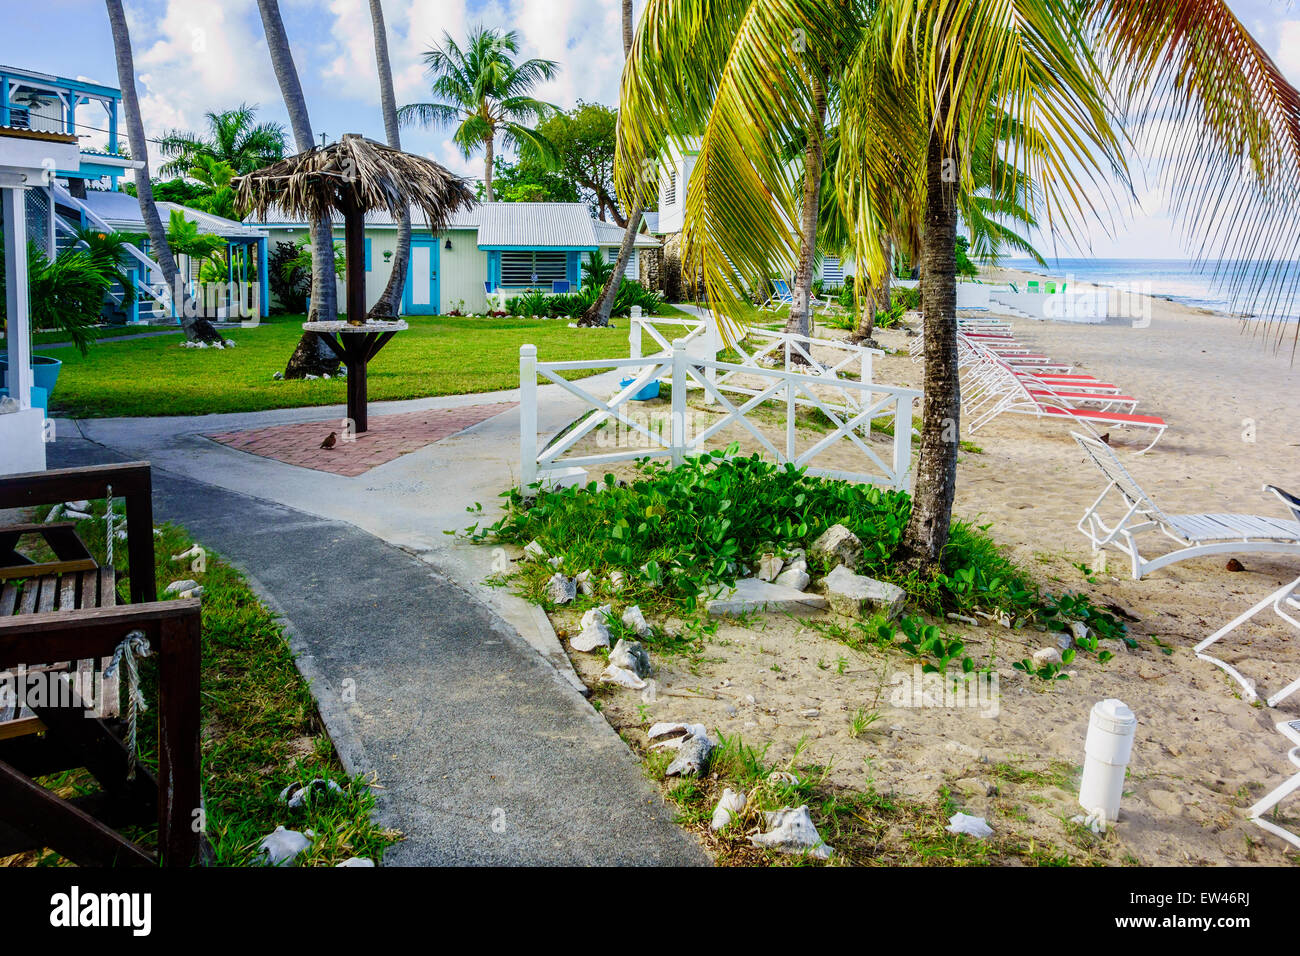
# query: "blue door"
{"points": [[421, 295]]}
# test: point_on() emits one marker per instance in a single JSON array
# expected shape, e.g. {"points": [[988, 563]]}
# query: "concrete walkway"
{"points": [[465, 723]]}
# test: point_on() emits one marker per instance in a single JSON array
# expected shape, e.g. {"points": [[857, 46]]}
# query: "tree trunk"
{"points": [[627, 28], [390, 303], [196, 328], [936, 473], [598, 314], [800, 321], [488, 145], [875, 299], [311, 356]]}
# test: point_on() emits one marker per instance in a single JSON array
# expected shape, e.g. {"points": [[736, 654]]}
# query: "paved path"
{"points": [[484, 753]]}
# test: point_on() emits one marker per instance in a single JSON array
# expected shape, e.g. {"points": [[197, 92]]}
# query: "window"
{"points": [[533, 268], [632, 271], [832, 270], [670, 188]]}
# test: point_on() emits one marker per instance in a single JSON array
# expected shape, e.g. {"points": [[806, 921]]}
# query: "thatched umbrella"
{"points": [[354, 176]]}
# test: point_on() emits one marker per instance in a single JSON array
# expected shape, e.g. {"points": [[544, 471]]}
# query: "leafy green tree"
{"points": [[485, 94], [526, 181], [585, 140], [233, 137]]}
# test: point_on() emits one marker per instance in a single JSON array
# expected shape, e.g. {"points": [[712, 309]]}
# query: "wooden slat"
{"points": [[8, 598], [27, 603], [49, 591], [107, 587], [62, 827], [20, 727], [47, 567], [89, 589], [68, 592]]}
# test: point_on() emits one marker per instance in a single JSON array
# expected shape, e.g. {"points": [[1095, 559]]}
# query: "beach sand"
{"points": [[1202, 754]]}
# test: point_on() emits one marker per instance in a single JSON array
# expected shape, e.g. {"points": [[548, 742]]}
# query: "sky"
{"points": [[193, 56]]}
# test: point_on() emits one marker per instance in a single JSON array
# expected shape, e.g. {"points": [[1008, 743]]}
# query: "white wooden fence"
{"points": [[850, 424]]}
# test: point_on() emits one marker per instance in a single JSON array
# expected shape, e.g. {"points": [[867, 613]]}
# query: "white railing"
{"points": [[851, 426], [793, 353]]}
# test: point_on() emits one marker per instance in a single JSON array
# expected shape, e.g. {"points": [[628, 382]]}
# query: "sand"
{"points": [[1202, 754]]}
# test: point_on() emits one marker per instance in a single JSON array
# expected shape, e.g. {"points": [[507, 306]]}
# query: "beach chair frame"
{"points": [[1200, 535], [1291, 730], [1285, 602]]}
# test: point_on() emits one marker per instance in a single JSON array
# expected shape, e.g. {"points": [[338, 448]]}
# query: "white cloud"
{"points": [[1287, 51]]}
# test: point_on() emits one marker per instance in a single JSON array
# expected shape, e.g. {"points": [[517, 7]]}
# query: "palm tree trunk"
{"points": [[196, 328], [801, 308], [390, 303], [311, 356], [936, 474], [598, 315], [488, 146], [874, 299]]}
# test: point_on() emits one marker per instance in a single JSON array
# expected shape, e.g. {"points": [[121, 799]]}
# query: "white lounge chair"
{"points": [[1286, 604], [1200, 535], [1291, 730]]}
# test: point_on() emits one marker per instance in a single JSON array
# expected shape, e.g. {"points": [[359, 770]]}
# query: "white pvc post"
{"points": [[1107, 751], [677, 447], [902, 441], [527, 416], [711, 349], [16, 296], [634, 334]]}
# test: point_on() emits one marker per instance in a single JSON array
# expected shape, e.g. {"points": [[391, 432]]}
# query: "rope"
{"points": [[108, 524], [134, 645]]}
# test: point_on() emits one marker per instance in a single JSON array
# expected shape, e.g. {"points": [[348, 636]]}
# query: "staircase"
{"points": [[153, 300]]}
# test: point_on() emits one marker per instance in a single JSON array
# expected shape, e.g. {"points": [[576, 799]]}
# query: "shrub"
{"points": [[290, 281]]}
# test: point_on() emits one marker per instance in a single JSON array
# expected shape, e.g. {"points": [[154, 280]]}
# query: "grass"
{"points": [[863, 828], [439, 355], [260, 728], [57, 337]]}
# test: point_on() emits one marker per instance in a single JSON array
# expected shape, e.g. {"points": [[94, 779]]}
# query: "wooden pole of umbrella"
{"points": [[351, 178]]}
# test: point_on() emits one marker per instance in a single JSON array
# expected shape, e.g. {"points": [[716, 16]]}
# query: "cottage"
{"points": [[491, 247]]}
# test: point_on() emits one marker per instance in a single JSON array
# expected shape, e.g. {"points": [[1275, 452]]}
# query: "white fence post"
{"points": [[634, 335], [711, 347], [902, 442], [527, 416], [677, 446]]}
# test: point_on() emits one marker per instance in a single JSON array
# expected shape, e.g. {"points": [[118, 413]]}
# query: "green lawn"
{"points": [[100, 332], [439, 355]]}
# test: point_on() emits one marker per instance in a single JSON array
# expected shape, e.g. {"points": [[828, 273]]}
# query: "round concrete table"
{"points": [[356, 345]]}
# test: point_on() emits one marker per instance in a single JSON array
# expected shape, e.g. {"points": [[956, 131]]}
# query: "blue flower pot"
{"points": [[648, 392], [45, 371]]}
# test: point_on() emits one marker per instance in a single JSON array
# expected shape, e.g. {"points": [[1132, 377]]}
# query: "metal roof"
{"points": [[508, 224], [611, 234], [122, 211]]}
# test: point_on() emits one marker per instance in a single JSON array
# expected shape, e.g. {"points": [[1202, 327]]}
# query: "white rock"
{"points": [[54, 514], [355, 861], [556, 562], [561, 589], [177, 586], [839, 544], [75, 515], [792, 831], [729, 808], [674, 733], [852, 594], [796, 579], [1079, 630], [631, 656], [595, 630], [634, 619], [193, 552], [533, 551], [81, 504], [585, 584], [977, 827], [1047, 655], [283, 846], [298, 795], [617, 580], [614, 674], [193, 592], [769, 566], [692, 758], [751, 594], [1063, 640]]}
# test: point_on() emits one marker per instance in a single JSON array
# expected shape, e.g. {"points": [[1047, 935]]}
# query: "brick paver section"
{"points": [[388, 437]]}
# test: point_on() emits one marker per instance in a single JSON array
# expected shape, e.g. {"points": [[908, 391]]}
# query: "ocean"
{"points": [[1177, 279]]}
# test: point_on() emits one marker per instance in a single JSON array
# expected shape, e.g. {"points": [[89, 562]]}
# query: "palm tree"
{"points": [[196, 328], [485, 92], [915, 79], [311, 356], [598, 314], [234, 138], [390, 303]]}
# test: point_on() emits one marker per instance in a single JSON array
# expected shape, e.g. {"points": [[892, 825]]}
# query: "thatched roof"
{"points": [[317, 182]]}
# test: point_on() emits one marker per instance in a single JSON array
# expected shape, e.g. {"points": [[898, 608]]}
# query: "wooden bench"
{"points": [[61, 619]]}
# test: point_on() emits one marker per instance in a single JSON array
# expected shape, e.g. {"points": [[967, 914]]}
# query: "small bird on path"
{"points": [[330, 440]]}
